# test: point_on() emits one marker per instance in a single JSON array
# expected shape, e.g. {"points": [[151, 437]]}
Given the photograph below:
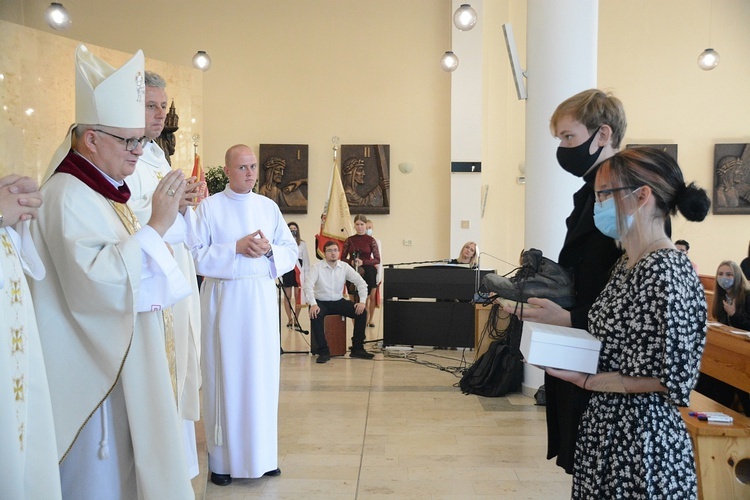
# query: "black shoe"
{"points": [[221, 479], [360, 353], [371, 325], [323, 358], [273, 473], [537, 277]]}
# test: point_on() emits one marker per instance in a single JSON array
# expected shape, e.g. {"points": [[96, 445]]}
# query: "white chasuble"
{"points": [[151, 168], [241, 348], [28, 452], [102, 334]]}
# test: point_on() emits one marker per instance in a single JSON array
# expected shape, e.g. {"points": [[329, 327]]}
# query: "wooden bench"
{"points": [[709, 288], [722, 451], [726, 356]]}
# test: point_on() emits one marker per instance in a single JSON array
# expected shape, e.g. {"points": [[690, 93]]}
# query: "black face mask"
{"points": [[577, 160], [295, 233]]}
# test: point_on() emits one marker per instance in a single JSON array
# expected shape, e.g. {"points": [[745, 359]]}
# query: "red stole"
{"points": [[83, 170]]}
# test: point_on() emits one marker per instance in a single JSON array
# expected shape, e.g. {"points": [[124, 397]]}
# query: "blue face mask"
{"points": [[725, 282], [369, 232], [605, 219]]}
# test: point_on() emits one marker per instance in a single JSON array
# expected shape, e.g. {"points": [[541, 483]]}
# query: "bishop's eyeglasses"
{"points": [[131, 143]]}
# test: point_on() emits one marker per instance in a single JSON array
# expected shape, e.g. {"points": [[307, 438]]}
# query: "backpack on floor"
{"points": [[499, 370]]}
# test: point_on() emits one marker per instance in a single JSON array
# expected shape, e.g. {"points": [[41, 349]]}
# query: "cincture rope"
{"points": [[104, 443], [219, 381]]}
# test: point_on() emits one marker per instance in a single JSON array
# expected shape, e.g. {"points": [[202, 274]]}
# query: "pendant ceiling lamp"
{"points": [[465, 17], [709, 58], [57, 16], [449, 61], [201, 60]]}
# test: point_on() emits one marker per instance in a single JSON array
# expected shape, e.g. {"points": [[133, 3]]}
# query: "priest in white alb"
{"points": [[28, 451], [151, 168], [242, 244], [106, 329]]}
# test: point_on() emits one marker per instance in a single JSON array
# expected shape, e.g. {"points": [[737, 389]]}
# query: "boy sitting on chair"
{"points": [[324, 291]]}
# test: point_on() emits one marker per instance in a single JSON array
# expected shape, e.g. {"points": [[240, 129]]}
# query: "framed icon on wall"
{"points": [[731, 179], [365, 174], [283, 176]]}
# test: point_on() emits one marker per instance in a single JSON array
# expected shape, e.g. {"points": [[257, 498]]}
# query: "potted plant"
{"points": [[216, 180]]}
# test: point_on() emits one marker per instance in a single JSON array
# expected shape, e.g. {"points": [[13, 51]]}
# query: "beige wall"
{"points": [[647, 56], [300, 71]]}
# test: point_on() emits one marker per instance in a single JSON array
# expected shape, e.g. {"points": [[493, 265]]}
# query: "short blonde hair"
{"points": [[594, 108]]}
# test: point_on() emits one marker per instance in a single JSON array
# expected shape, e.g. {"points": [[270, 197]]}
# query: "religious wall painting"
{"points": [[670, 149], [283, 176], [365, 174], [731, 179]]}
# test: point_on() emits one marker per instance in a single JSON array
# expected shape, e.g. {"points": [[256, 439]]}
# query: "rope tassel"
{"points": [[104, 443]]}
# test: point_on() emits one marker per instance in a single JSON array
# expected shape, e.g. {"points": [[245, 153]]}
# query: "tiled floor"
{"points": [[396, 429]]}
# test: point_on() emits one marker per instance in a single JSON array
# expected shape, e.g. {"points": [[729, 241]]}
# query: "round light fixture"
{"points": [[449, 61], [406, 167], [465, 17], [57, 16], [708, 59], [201, 60]]}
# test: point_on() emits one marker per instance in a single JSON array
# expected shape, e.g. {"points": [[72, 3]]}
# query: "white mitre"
{"points": [[105, 96]]}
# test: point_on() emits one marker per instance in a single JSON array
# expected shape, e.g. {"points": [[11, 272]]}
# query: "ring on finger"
{"points": [[171, 192]]}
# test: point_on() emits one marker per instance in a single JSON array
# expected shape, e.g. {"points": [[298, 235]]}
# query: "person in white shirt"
{"points": [[241, 244], [152, 166], [324, 291]]}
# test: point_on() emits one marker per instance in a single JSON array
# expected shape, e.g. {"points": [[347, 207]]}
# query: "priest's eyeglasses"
{"points": [[131, 143], [605, 194]]}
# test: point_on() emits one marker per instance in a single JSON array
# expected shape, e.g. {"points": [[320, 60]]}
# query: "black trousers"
{"points": [[566, 403], [342, 307]]}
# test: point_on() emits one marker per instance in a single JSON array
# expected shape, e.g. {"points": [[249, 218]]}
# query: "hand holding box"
{"points": [[560, 347]]}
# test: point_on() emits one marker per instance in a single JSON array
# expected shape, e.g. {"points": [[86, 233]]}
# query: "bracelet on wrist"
{"points": [[586, 380]]}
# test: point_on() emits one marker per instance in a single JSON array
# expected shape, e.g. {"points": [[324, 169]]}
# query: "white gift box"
{"points": [[560, 347]]}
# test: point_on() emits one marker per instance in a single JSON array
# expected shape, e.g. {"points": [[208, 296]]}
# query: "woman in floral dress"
{"points": [[651, 319]]}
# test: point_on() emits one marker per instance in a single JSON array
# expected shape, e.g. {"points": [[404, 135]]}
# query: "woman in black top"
{"points": [[730, 306], [731, 302], [467, 255]]}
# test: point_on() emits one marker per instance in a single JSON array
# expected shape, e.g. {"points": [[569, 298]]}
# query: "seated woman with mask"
{"points": [[730, 306]]}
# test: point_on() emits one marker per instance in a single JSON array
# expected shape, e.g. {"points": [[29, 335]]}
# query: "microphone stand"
{"points": [[297, 326]]}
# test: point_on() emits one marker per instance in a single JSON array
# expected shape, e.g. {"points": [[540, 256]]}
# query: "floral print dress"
{"points": [[651, 320]]}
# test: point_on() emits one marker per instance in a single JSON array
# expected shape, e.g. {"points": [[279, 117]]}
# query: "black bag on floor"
{"points": [[499, 370]]}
